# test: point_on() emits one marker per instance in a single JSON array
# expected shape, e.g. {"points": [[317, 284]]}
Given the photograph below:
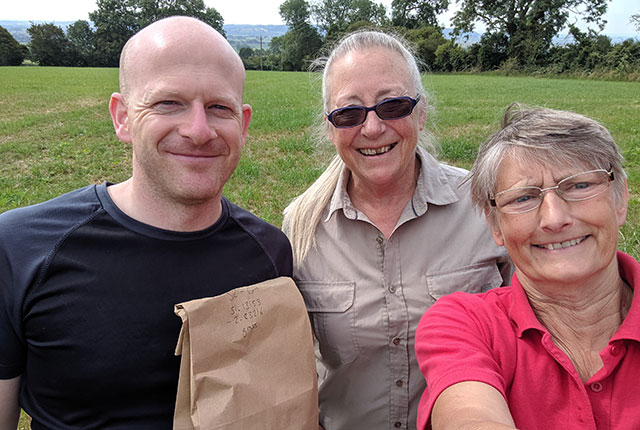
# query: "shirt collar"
{"points": [[522, 315], [433, 187], [520, 311], [629, 269]]}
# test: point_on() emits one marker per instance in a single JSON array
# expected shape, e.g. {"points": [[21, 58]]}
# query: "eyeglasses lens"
{"points": [[349, 117], [393, 109], [388, 109], [582, 186]]}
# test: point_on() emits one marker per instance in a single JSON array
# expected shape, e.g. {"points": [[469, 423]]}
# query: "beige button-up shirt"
{"points": [[365, 294]]}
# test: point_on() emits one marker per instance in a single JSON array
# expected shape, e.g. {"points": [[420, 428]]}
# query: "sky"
{"points": [[252, 12]]}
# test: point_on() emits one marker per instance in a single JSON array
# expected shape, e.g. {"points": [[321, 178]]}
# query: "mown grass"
{"points": [[56, 134]]}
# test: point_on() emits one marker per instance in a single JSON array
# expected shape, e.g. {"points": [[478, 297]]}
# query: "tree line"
{"points": [[98, 44], [518, 37]]}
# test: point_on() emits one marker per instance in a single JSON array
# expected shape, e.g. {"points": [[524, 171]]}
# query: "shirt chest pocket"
{"points": [[331, 305], [478, 278]]}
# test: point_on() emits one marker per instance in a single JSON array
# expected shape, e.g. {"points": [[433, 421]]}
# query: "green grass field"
{"points": [[56, 134]]}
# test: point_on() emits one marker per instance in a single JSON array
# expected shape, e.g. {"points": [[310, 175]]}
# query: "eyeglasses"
{"points": [[351, 116], [581, 186]]}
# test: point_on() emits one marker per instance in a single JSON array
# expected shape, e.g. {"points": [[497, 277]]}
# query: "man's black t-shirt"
{"points": [[86, 304]]}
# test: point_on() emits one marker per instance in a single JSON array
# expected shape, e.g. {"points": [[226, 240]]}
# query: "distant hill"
{"points": [[242, 35], [245, 35], [239, 35], [466, 39], [18, 29]]}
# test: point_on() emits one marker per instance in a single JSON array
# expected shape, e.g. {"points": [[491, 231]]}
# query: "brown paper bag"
{"points": [[247, 361]]}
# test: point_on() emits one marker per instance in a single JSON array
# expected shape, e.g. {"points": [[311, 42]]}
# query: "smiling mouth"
{"points": [[196, 156], [378, 151], [565, 244]]}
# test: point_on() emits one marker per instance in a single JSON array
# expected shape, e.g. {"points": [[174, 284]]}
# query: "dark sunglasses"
{"points": [[351, 116]]}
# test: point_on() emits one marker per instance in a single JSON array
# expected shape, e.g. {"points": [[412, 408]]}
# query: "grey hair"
{"points": [[304, 213], [546, 137]]}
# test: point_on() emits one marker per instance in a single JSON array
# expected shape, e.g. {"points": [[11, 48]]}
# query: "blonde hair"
{"points": [[302, 216]]}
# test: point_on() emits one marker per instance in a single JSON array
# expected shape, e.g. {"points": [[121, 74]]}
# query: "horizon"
{"points": [[266, 12], [618, 35]]}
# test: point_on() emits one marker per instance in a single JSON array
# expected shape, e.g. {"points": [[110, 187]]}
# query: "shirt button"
{"points": [[379, 239], [596, 387], [397, 341], [399, 383], [397, 424], [392, 289], [615, 350]]}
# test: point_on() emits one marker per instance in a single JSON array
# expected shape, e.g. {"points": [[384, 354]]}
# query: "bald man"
{"points": [[88, 280]]}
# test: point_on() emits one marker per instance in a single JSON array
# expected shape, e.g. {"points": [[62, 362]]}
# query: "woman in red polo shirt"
{"points": [[560, 347]]}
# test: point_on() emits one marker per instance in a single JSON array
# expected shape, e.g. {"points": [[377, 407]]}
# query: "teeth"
{"points": [[369, 151], [566, 244]]}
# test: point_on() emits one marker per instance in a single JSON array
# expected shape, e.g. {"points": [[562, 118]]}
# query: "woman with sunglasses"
{"points": [[382, 234], [560, 347]]}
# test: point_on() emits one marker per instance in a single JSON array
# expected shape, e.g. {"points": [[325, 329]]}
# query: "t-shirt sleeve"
{"points": [[12, 349], [272, 240], [455, 342]]}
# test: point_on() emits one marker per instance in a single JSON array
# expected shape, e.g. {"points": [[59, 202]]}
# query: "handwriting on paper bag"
{"points": [[245, 312]]}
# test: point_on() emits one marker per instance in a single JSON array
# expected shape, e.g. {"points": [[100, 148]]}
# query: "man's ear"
{"points": [[119, 114], [246, 119], [494, 226]]}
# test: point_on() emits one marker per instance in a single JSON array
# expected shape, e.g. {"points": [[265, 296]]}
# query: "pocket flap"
{"points": [[327, 296], [472, 279]]}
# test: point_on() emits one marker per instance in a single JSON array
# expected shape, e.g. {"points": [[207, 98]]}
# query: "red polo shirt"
{"points": [[496, 338]]}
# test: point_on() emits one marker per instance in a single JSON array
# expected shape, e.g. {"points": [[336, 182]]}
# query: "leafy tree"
{"points": [[82, 38], [260, 59], [451, 57], [635, 20], [417, 13], [624, 57], [426, 40], [589, 50], [528, 25], [593, 52], [245, 52], [335, 16], [117, 20], [492, 51], [299, 48], [301, 43], [12, 53], [153, 10], [295, 12], [274, 54], [50, 47]]}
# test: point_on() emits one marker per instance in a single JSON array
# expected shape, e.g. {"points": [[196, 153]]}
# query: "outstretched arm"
{"points": [[471, 405], [9, 409]]}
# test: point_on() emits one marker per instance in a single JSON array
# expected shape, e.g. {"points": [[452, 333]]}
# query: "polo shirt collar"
{"points": [[521, 313], [629, 269], [433, 187]]}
